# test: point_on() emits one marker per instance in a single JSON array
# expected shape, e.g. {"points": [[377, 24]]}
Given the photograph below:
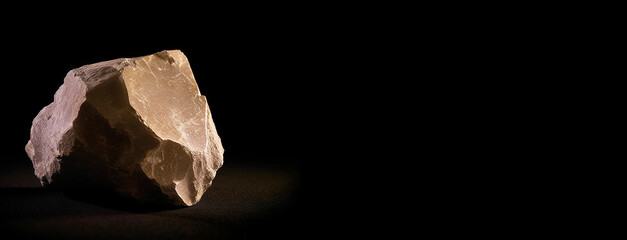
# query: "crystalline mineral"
{"points": [[136, 126]]}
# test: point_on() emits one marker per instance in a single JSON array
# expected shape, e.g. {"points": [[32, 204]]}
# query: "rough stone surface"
{"points": [[135, 126]]}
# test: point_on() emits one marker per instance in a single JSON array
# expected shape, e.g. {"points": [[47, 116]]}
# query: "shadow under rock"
{"points": [[111, 200]]}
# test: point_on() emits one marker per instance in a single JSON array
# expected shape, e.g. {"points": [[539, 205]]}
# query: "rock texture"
{"points": [[136, 126]]}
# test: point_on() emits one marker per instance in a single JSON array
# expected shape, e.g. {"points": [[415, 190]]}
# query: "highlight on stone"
{"points": [[136, 126]]}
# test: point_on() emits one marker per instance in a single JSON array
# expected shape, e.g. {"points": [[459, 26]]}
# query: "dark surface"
{"points": [[246, 200]]}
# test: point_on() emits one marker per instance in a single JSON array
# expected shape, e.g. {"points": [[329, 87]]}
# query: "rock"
{"points": [[135, 126]]}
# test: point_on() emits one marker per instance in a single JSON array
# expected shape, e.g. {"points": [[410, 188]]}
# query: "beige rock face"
{"points": [[136, 126]]}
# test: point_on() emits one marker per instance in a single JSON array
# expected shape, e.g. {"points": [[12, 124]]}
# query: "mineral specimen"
{"points": [[135, 126]]}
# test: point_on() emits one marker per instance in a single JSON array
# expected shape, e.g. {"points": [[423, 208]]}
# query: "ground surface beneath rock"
{"points": [[247, 201]]}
